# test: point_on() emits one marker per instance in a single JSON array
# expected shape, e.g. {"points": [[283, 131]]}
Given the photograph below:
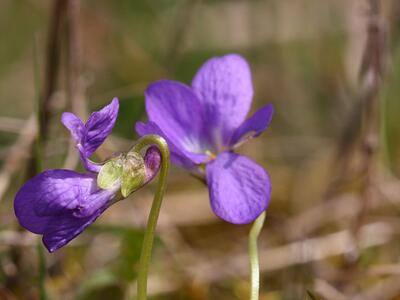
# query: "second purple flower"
{"points": [[204, 123]]}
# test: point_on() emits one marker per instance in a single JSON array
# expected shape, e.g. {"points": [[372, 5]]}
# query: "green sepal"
{"points": [[133, 173], [109, 174]]}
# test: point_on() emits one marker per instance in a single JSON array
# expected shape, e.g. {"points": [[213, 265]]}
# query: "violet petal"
{"points": [[99, 126], [152, 162], [179, 155], [90, 136], [61, 230], [253, 126], [225, 90], [56, 196], [74, 125], [239, 188], [176, 110], [87, 163], [50, 193]]}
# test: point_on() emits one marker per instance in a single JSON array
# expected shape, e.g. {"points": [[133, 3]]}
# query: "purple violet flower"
{"points": [[204, 123], [60, 204]]}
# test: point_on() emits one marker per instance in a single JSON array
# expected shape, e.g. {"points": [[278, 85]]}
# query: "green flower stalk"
{"points": [[147, 247], [253, 254]]}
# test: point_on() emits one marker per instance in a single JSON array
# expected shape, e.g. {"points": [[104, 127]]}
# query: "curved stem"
{"points": [[148, 241], [253, 254]]}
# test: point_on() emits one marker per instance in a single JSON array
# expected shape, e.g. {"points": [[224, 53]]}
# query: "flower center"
{"points": [[211, 155]]}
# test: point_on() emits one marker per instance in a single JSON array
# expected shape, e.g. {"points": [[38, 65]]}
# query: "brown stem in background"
{"points": [[74, 58], [75, 89], [360, 133], [358, 145], [31, 134], [52, 65], [371, 74], [359, 140]]}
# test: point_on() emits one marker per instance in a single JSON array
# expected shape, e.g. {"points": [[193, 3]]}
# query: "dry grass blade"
{"points": [[277, 258], [18, 153]]}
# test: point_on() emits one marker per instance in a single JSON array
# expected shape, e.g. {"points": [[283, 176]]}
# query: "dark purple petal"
{"points": [[61, 230], [179, 155], [59, 191], [74, 125], [50, 193], [99, 126], [225, 90], [178, 113], [152, 162], [24, 208], [239, 188], [87, 163], [94, 202], [254, 126], [55, 196], [90, 136]]}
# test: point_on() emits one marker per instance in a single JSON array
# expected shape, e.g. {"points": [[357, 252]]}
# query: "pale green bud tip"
{"points": [[128, 170], [110, 174]]}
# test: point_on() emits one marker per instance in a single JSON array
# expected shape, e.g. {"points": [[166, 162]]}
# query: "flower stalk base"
{"points": [[253, 254], [145, 257]]}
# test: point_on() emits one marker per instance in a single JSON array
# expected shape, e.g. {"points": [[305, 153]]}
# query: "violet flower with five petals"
{"points": [[204, 123], [60, 204]]}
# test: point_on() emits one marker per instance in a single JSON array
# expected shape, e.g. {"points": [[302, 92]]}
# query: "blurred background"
{"points": [[331, 69]]}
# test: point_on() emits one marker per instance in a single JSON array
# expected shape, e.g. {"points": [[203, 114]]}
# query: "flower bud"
{"points": [[128, 170]]}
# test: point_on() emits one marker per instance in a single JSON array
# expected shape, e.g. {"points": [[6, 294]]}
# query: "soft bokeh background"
{"points": [[333, 223]]}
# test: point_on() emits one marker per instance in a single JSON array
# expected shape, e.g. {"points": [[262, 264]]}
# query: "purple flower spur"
{"points": [[60, 204], [204, 123]]}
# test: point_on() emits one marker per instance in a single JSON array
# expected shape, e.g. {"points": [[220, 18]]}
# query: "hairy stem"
{"points": [[148, 241], [253, 254]]}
